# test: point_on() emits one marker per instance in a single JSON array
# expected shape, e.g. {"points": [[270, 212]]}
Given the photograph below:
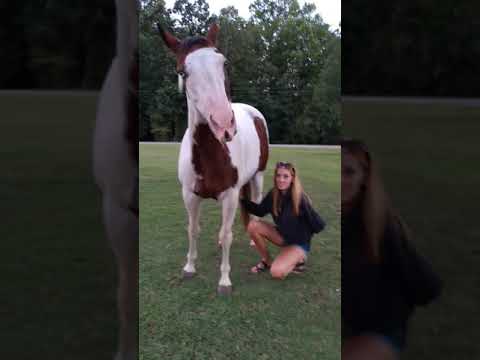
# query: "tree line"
{"points": [[388, 48], [283, 60], [410, 48], [53, 44]]}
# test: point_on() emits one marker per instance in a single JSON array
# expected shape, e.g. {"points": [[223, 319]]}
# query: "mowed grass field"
{"points": [[58, 275], [428, 153], [298, 318]]}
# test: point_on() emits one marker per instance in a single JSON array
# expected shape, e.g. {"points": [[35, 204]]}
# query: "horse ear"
{"points": [[171, 41], [212, 34]]}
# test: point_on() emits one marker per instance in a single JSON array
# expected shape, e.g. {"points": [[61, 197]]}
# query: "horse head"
{"points": [[201, 70]]}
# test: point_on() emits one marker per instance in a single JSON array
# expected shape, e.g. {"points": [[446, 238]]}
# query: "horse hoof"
{"points": [[224, 290], [188, 275]]}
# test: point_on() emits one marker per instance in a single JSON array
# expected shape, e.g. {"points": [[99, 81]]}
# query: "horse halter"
{"points": [[182, 75]]}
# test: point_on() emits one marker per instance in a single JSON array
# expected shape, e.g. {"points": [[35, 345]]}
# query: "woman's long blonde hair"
{"points": [[296, 189], [376, 208]]}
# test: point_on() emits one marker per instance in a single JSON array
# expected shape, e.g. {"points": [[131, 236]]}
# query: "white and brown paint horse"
{"points": [[225, 147], [115, 161]]}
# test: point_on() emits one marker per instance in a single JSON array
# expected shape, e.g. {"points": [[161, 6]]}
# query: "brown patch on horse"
{"points": [[212, 164], [132, 131], [246, 194], [262, 136]]}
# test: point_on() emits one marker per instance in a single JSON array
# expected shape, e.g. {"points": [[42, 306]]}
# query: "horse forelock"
{"points": [[189, 45]]}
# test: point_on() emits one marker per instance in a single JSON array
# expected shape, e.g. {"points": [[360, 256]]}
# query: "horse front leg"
{"points": [[229, 208], [192, 204]]}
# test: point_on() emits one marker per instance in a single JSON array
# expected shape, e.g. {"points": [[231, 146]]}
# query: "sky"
{"points": [[329, 10]]}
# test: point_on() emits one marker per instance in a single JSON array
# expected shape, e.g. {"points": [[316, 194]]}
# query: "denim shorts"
{"points": [[396, 342], [304, 247]]}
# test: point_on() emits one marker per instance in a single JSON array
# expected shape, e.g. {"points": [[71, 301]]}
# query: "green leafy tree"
{"points": [[290, 54], [63, 45], [193, 17], [282, 60], [321, 121]]}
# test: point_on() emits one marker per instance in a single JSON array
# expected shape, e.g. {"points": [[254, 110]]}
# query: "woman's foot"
{"points": [[262, 266]]}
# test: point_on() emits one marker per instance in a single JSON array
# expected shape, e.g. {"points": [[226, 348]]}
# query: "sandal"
{"points": [[299, 268], [262, 266]]}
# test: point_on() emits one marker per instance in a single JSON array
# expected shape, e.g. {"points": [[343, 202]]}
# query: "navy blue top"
{"points": [[380, 298], [293, 229]]}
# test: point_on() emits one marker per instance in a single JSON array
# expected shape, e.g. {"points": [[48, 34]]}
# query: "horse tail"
{"points": [[246, 194]]}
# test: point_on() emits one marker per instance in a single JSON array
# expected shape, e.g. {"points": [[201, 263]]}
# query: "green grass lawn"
{"points": [[429, 160], [58, 285], [298, 318]]}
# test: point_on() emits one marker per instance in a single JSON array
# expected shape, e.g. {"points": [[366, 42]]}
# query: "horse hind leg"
{"points": [[256, 187], [192, 204]]}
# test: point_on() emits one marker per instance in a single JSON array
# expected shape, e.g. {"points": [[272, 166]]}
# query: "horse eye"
{"points": [[183, 74]]}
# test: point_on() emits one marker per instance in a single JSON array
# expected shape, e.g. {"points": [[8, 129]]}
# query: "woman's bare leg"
{"points": [[367, 347], [286, 261], [261, 231]]}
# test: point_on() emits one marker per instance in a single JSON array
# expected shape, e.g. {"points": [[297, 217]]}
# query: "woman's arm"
{"points": [[261, 209], [316, 222]]}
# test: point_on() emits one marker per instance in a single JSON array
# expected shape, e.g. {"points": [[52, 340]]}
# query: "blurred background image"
{"points": [[409, 92], [58, 273]]}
